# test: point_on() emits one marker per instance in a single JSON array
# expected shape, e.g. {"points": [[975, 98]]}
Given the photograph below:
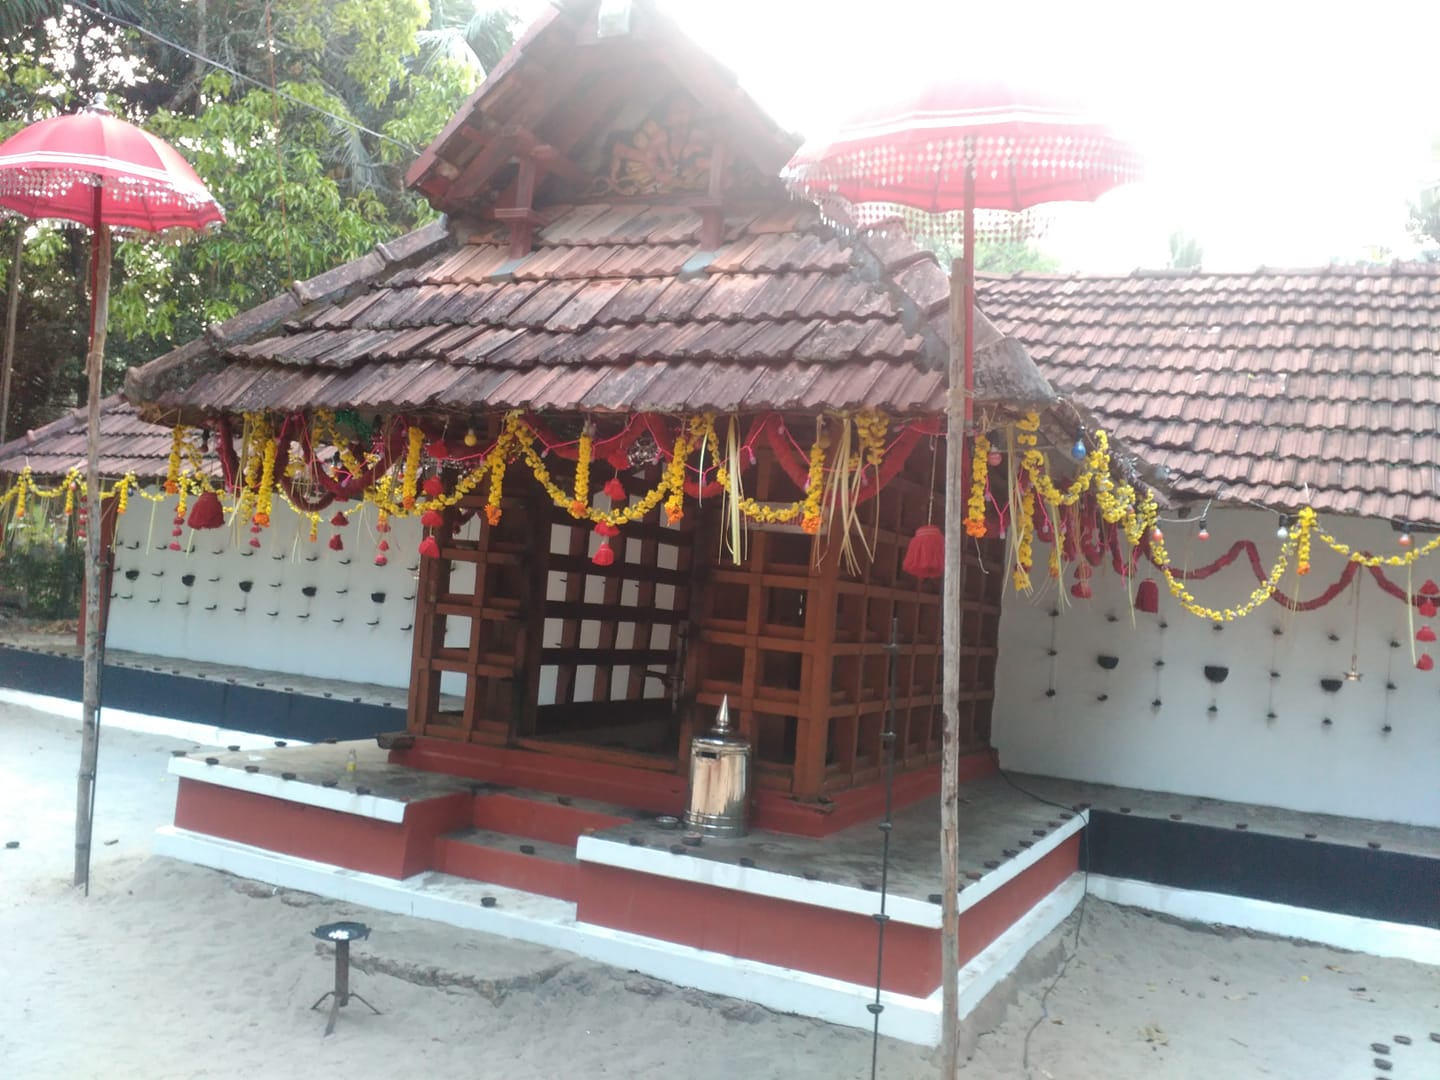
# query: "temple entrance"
{"points": [[529, 634], [614, 640]]}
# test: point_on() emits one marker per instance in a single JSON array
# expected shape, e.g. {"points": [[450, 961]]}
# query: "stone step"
{"points": [[538, 815], [503, 858]]}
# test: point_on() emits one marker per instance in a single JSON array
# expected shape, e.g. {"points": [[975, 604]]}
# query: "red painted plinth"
{"points": [[819, 940], [514, 869], [985, 921], [539, 820], [311, 832], [808, 937], [664, 793], [642, 789]]}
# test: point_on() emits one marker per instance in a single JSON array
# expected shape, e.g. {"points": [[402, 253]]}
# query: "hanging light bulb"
{"points": [[994, 458], [1404, 540], [1204, 533], [1079, 451], [1283, 532], [1157, 535]]}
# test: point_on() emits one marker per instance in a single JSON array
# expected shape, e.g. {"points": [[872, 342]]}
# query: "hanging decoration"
{"points": [[1147, 597], [1086, 520], [925, 554]]}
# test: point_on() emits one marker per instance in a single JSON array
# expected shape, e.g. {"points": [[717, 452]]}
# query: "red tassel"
{"points": [[604, 528], [384, 545], [174, 545], [1426, 662], [438, 450], [1425, 634], [207, 513], [433, 486], [179, 519], [1147, 598], [925, 555], [430, 547], [381, 560], [177, 531], [1081, 590], [605, 556], [614, 489], [432, 519], [254, 541], [339, 520], [1083, 572], [1426, 609], [1430, 588], [336, 544]]}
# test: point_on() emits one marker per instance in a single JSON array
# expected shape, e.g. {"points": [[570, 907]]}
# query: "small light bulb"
{"points": [[1404, 540], [1204, 533], [471, 439], [1156, 535], [994, 458], [1282, 533], [1079, 450]]}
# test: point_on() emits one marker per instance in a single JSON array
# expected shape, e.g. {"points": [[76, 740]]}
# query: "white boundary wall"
{"points": [[1351, 766], [372, 644]]}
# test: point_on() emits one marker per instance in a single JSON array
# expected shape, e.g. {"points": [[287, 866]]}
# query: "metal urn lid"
{"points": [[722, 734]]}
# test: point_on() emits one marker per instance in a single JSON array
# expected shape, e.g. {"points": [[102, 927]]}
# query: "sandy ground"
{"points": [[167, 970]]}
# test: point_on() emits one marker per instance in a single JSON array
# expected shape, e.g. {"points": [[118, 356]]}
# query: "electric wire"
{"points": [[1079, 918], [221, 66]]}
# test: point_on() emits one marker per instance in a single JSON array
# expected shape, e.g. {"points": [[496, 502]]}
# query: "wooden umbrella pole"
{"points": [[959, 409], [7, 365], [94, 571]]}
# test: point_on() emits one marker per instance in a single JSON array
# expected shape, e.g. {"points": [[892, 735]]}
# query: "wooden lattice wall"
{"points": [[799, 644], [534, 644]]}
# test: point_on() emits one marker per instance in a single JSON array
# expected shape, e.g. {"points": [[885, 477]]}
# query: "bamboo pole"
{"points": [[94, 571], [12, 313], [958, 412]]}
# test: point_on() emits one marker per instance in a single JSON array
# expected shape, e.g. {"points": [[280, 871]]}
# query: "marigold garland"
{"points": [[815, 480], [979, 478], [582, 473], [411, 477], [172, 467], [1024, 545], [1305, 523]]}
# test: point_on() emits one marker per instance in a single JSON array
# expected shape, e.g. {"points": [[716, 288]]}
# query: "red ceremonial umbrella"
{"points": [[99, 171], [953, 147]]}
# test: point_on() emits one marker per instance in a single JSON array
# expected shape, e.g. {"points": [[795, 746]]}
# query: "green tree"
{"points": [[1186, 252], [304, 141], [998, 257], [1424, 223]]}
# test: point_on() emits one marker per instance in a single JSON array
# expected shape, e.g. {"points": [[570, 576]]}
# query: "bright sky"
{"points": [[1277, 132]]}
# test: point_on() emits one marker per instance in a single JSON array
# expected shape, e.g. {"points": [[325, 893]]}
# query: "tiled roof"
{"points": [[127, 444], [1279, 388], [618, 308]]}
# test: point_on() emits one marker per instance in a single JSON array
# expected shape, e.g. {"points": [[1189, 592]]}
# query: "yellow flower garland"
{"points": [[411, 476], [979, 477], [815, 479], [582, 473], [1024, 548], [1305, 522]]}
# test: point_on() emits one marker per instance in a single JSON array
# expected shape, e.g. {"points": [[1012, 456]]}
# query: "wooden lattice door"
{"points": [[611, 663], [473, 630]]}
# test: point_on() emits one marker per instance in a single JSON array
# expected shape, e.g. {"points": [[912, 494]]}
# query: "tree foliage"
{"points": [[1424, 223], [1186, 252], [999, 257], [302, 130]]}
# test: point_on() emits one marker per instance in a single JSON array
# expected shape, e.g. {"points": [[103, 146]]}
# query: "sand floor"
{"points": [[168, 970]]}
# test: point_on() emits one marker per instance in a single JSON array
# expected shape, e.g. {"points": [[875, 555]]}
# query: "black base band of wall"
{"points": [[1339, 878], [277, 713]]}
